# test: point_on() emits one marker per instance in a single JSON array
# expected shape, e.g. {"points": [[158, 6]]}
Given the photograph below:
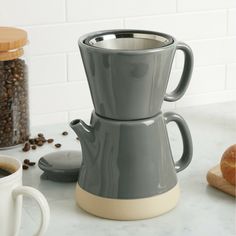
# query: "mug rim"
{"points": [[16, 164], [87, 37]]}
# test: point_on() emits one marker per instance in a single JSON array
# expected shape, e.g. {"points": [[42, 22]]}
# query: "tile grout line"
{"points": [[176, 104], [189, 40], [60, 83], [214, 98], [173, 13], [84, 80], [66, 12], [63, 23], [227, 23], [119, 18], [63, 111]]}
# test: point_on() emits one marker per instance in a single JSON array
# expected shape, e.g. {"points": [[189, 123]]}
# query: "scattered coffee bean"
{"points": [[58, 145], [77, 138], [25, 167], [27, 144], [31, 141], [43, 140], [26, 147], [50, 140], [40, 135], [32, 163], [37, 140], [40, 143], [26, 161]]}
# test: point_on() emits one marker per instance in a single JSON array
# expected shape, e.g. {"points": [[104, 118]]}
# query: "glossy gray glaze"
{"points": [[131, 84], [61, 166], [130, 159]]}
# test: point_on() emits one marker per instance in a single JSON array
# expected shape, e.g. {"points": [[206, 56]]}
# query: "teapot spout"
{"points": [[83, 131]]}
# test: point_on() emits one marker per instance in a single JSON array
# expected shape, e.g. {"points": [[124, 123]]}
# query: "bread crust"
{"points": [[228, 164]]}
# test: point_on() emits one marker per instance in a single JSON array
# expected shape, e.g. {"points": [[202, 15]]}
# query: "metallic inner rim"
{"points": [[129, 40]]}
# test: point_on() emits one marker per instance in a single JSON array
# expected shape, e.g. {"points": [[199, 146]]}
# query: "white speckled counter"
{"points": [[202, 210]]}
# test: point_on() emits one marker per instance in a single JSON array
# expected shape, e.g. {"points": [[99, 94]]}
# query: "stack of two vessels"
{"points": [[128, 172]]}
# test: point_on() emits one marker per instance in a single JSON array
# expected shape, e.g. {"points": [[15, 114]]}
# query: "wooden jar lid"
{"points": [[11, 42], [12, 38], [7, 56]]}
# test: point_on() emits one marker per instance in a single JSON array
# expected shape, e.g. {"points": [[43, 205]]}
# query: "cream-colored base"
{"points": [[130, 209]]}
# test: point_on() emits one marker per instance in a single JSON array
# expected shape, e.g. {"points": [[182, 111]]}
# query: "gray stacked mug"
{"points": [[128, 170], [128, 71]]}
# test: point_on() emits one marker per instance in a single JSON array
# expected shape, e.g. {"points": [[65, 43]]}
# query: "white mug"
{"points": [[11, 191]]}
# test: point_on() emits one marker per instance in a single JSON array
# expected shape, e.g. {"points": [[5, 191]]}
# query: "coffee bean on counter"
{"points": [[37, 140], [26, 147], [14, 110], [26, 161], [27, 144], [43, 140], [40, 135], [32, 163], [57, 145], [50, 140], [31, 141], [77, 138], [40, 143], [25, 167]]}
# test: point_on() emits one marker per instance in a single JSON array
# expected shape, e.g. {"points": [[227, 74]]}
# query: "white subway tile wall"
{"points": [[58, 88], [200, 5], [75, 67], [232, 22], [231, 76], [32, 12], [205, 79], [185, 26], [49, 69], [104, 9]]}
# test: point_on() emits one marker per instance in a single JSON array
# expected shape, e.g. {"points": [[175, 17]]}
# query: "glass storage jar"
{"points": [[14, 107]]}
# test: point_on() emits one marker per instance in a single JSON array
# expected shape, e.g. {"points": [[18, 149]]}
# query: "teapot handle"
{"points": [[186, 157], [186, 74]]}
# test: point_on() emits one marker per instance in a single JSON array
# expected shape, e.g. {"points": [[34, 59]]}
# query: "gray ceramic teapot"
{"points": [[127, 160]]}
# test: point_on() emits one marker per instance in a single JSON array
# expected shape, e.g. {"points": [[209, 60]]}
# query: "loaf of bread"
{"points": [[228, 164]]}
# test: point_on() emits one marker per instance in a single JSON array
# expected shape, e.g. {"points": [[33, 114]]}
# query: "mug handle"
{"points": [[186, 157], [42, 202], [182, 86]]}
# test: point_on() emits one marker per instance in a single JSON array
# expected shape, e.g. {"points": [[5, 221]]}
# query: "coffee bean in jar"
{"points": [[14, 108]]}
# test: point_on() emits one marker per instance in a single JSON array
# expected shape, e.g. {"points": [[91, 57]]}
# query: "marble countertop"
{"points": [[202, 210]]}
